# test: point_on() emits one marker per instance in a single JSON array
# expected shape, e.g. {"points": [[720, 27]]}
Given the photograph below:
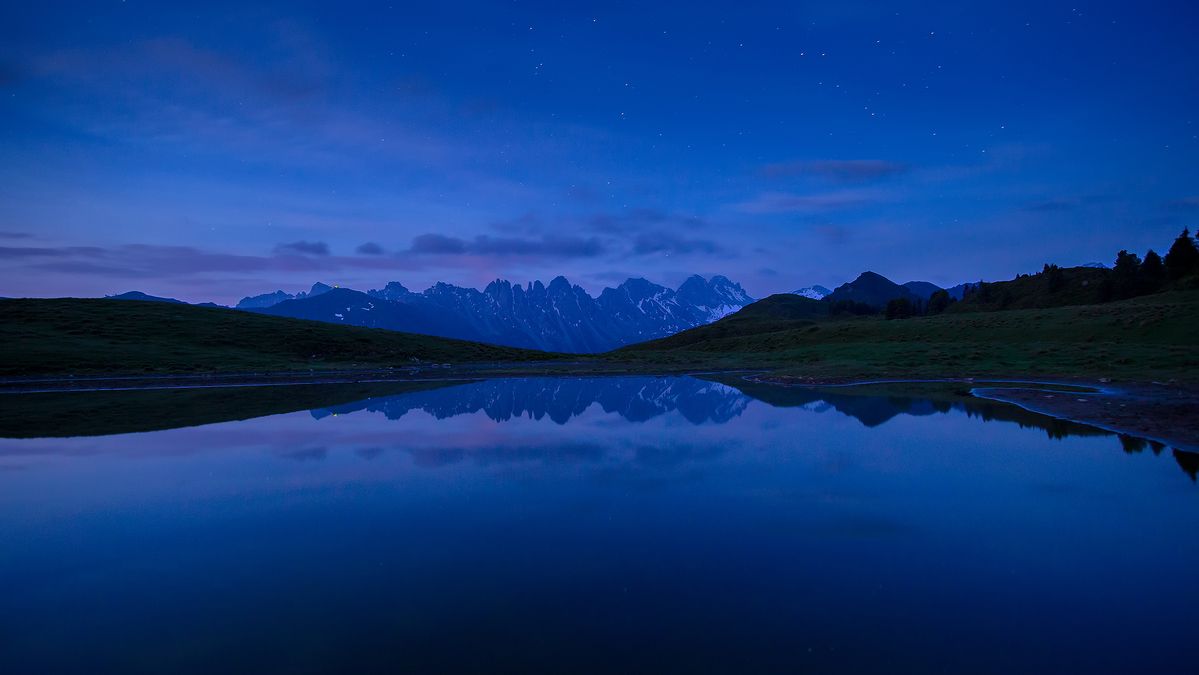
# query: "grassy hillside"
{"points": [[1078, 286], [1074, 286], [78, 337], [777, 312], [1147, 338]]}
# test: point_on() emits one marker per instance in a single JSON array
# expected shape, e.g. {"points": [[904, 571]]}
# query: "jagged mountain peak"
{"points": [[394, 291], [559, 316], [274, 298], [715, 297]]}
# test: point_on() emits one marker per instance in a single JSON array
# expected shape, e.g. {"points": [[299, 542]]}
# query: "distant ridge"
{"points": [[138, 295], [272, 299], [922, 289], [871, 288]]}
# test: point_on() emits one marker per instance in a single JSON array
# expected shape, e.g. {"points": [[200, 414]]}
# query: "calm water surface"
{"points": [[591, 524]]}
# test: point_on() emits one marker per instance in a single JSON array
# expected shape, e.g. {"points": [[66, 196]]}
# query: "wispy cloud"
{"points": [[664, 242], [786, 202], [33, 252], [317, 248], [369, 248]]}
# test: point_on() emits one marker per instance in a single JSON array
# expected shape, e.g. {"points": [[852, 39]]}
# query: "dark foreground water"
{"points": [[597, 524]]}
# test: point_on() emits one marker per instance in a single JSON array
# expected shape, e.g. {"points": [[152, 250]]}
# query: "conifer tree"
{"points": [[1183, 257]]}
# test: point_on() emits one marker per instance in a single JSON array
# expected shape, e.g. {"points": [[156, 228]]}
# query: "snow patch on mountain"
{"points": [[815, 292], [559, 317]]}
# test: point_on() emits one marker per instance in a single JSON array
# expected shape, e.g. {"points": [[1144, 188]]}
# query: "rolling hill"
{"points": [[1146, 338], [1077, 286], [88, 336], [783, 311]]}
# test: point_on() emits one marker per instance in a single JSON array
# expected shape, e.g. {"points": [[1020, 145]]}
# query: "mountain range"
{"points": [[558, 317], [555, 317], [636, 399]]}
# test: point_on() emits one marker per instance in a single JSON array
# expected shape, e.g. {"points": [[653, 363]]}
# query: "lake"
{"points": [[634, 524]]}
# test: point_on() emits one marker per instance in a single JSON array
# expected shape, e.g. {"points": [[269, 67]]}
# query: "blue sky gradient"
{"points": [[230, 148]]}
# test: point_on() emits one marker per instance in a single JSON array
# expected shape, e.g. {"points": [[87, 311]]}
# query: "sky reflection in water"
{"points": [[594, 523]]}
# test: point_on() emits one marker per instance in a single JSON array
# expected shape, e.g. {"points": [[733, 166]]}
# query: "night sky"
{"points": [[210, 154]]}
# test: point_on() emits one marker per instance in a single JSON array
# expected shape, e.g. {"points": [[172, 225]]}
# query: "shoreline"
{"points": [[1161, 413]]}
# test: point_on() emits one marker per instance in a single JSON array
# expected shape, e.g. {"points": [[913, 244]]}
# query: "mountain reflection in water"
{"points": [[698, 400], [697, 524]]}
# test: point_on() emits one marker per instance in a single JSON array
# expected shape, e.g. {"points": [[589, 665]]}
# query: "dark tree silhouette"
{"points": [[1183, 257], [939, 301], [1153, 272], [900, 308], [1125, 274], [1054, 279], [851, 307]]}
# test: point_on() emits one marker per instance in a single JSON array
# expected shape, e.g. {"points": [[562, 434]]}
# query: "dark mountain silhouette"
{"points": [[922, 289], [957, 292], [272, 299], [138, 295], [871, 289]]}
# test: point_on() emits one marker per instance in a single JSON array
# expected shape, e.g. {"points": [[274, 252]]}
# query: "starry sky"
{"points": [[235, 148]]}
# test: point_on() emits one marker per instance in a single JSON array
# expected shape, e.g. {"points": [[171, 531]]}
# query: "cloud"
{"points": [[437, 244], [21, 252], [664, 242], [370, 248], [837, 170], [141, 261], [483, 245], [303, 248], [784, 202], [15, 235]]}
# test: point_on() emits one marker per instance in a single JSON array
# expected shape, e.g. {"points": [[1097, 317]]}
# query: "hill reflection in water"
{"points": [[558, 400], [703, 401]]}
